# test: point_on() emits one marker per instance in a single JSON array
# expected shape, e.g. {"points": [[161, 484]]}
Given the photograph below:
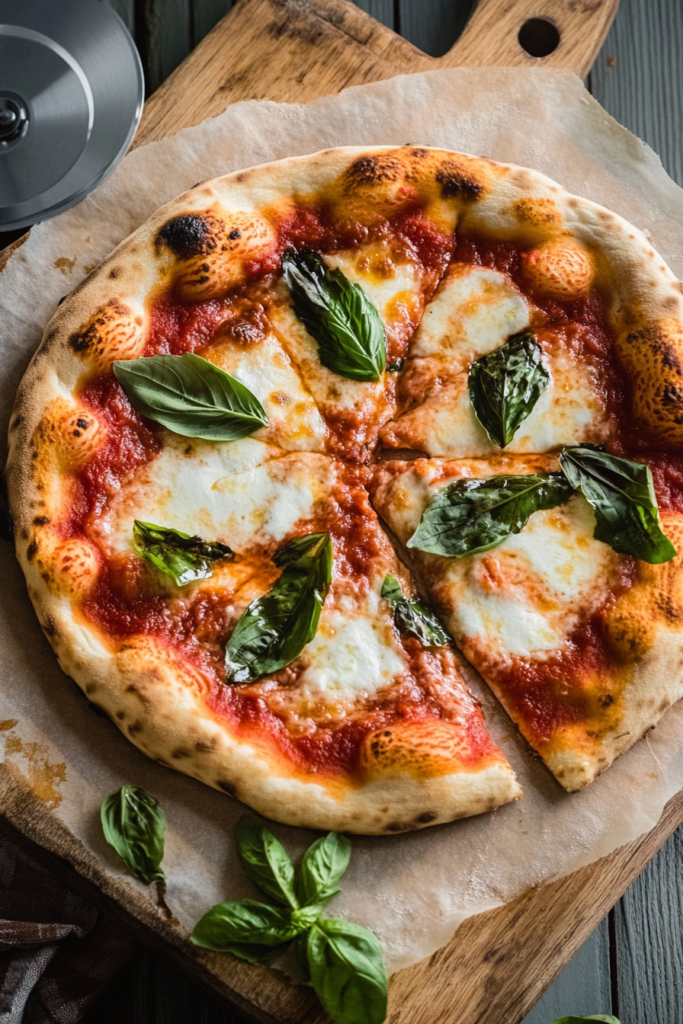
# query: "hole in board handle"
{"points": [[538, 37]]}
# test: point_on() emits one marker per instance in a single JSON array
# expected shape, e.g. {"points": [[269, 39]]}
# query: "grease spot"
{"points": [[44, 778], [66, 266]]}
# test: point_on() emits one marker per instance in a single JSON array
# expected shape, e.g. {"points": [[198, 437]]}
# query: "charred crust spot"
{"points": [[31, 550], [83, 424], [397, 826], [115, 272], [49, 626], [180, 753], [41, 520], [426, 817], [187, 236], [607, 700], [419, 153], [134, 728], [204, 748], [235, 233], [90, 687], [457, 180], [227, 787], [672, 395], [99, 710], [373, 170], [120, 715]]}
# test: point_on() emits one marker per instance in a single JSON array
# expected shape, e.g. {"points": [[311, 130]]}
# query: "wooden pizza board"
{"points": [[499, 963]]}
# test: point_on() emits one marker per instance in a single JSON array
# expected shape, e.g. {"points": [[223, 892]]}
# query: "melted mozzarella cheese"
{"points": [[237, 493], [569, 411], [293, 418], [352, 655], [472, 313], [525, 596]]}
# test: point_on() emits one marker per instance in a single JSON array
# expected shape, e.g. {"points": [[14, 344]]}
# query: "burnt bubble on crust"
{"points": [[374, 170], [458, 180], [187, 236]]}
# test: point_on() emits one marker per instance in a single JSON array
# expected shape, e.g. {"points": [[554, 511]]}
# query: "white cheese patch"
{"points": [[236, 493], [525, 596], [353, 654], [569, 411], [473, 312], [265, 368], [387, 289]]}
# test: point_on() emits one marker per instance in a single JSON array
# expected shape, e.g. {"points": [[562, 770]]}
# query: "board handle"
{"points": [[533, 33]]}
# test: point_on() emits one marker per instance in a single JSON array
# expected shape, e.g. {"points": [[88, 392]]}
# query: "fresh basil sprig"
{"points": [[274, 629], [177, 554], [341, 960], [468, 516], [134, 823], [190, 396], [338, 315], [505, 385], [606, 1018], [622, 495], [413, 617]]}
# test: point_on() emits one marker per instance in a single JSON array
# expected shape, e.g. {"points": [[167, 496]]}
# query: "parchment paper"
{"points": [[413, 890]]}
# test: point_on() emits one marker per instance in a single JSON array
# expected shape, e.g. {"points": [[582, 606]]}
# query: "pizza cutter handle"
{"points": [[533, 33]]}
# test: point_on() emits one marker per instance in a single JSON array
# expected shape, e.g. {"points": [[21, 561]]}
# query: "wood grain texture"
{"points": [[649, 941], [298, 50], [583, 987], [638, 77]]}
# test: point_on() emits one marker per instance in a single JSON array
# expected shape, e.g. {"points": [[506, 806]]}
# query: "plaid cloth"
{"points": [[57, 953]]}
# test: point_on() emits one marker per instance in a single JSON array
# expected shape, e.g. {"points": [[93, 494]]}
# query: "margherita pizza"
{"points": [[202, 445]]}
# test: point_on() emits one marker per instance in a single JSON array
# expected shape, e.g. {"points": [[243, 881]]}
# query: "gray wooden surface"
{"points": [[632, 965]]}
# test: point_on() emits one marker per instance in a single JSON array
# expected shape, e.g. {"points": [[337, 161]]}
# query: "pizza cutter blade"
{"points": [[71, 93]]}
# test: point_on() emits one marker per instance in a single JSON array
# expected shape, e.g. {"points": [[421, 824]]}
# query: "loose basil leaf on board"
{"points": [[177, 554], [274, 629], [414, 618], [134, 823], [249, 929], [347, 972], [190, 396], [338, 315], [324, 863], [623, 498], [505, 384], [581, 1020], [468, 516], [266, 861]]}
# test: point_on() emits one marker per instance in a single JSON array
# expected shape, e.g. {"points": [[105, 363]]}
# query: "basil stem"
{"points": [[274, 629], [338, 315], [190, 396], [505, 385], [469, 516], [177, 554], [413, 618], [622, 495], [134, 823]]}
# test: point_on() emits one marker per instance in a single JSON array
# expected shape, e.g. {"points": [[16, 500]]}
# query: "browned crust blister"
{"points": [[202, 243]]}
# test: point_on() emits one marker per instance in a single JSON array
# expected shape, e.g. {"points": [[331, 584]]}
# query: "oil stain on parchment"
{"points": [[64, 264], [43, 776]]}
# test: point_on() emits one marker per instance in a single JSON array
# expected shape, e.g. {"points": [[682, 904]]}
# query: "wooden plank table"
{"points": [[632, 964]]}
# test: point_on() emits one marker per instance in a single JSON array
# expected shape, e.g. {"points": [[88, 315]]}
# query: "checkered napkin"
{"points": [[57, 953]]}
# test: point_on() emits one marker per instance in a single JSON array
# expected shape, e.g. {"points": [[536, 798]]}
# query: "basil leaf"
{"points": [[134, 823], [177, 554], [468, 516], [347, 971], [274, 629], [414, 617], [324, 863], [247, 928], [266, 861], [581, 1020], [505, 385], [190, 396], [338, 315], [623, 498]]}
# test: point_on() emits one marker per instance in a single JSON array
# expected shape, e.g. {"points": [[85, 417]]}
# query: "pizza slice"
{"points": [[576, 639], [480, 319], [239, 613]]}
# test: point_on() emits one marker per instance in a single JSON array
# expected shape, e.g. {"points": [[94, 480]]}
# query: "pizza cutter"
{"points": [[71, 93]]}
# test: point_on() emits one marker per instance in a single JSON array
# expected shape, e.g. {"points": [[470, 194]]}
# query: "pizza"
{"points": [[316, 422]]}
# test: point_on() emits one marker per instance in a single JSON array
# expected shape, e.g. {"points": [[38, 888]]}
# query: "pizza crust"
{"points": [[205, 241]]}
